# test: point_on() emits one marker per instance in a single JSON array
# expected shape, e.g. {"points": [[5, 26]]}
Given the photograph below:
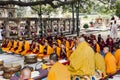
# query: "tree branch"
{"points": [[43, 2]]}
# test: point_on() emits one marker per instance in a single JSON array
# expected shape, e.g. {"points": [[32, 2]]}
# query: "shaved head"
{"points": [[25, 74], [106, 50], [81, 39]]}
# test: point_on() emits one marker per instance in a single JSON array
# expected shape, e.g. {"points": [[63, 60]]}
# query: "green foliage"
{"points": [[20, 11], [85, 16], [46, 9], [85, 26], [118, 8]]}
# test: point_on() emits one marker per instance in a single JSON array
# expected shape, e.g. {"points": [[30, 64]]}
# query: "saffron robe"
{"points": [[110, 63], [26, 47], [58, 72], [19, 48], [117, 57], [80, 58], [100, 63]]}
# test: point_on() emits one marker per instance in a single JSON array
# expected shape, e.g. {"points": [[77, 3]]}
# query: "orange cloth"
{"points": [[100, 63], [59, 42], [82, 60], [58, 72], [19, 48], [27, 47], [117, 57], [41, 50], [110, 63], [58, 49], [14, 46], [49, 50], [8, 46], [67, 44], [97, 48], [72, 45]]}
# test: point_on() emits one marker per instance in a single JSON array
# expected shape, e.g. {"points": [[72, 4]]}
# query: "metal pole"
{"points": [[77, 18], [40, 15], [73, 20]]}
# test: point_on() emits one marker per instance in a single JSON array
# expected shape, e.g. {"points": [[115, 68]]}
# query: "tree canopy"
{"points": [[86, 6]]}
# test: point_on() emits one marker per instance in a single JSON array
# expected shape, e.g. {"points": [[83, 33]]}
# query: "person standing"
{"points": [[115, 30]]}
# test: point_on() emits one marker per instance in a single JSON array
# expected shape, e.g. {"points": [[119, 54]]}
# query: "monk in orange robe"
{"points": [[57, 49], [58, 71], [63, 52], [14, 46], [49, 49], [26, 48], [110, 62], [96, 46], [117, 57], [41, 49], [32, 47], [4, 44], [59, 42], [19, 48]]}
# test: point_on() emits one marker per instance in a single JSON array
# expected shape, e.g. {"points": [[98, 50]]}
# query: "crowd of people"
{"points": [[87, 54]]}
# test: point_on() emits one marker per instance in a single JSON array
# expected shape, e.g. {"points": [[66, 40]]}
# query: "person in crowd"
{"points": [[58, 71], [115, 30], [100, 63], [117, 56], [96, 46], [25, 74], [63, 51], [32, 47], [80, 58], [99, 38], [57, 49], [110, 43], [110, 62], [19, 48]]}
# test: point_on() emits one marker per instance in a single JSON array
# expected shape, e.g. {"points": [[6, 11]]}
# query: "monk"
{"points": [[32, 47], [117, 57], [41, 49], [19, 48], [110, 62], [5, 44], [101, 44], [109, 43], [96, 46], [63, 52], [58, 71], [57, 49], [99, 37], [27, 47], [25, 74], [14, 45], [80, 58], [11, 46], [100, 63]]}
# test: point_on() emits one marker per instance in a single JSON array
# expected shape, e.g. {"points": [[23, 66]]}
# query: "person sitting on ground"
{"points": [[80, 58], [100, 63], [110, 62], [58, 71], [25, 74], [117, 56]]}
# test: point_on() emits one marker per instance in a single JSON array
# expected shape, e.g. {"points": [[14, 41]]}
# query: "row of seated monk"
{"points": [[84, 56], [60, 45]]}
